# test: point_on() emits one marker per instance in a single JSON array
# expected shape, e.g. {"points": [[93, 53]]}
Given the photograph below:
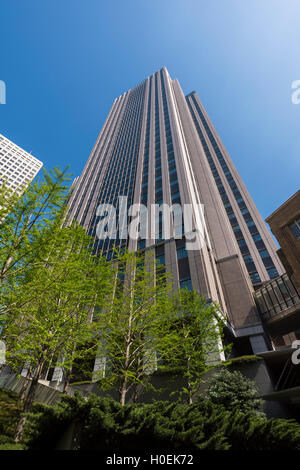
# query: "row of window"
{"points": [[173, 177], [255, 278], [92, 167], [119, 177], [250, 265], [185, 281]]}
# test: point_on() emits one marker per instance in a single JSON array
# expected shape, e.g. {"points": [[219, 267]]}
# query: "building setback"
{"points": [[158, 146], [17, 167]]}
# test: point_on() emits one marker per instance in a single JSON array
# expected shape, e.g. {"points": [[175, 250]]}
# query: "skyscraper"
{"points": [[255, 243], [17, 167], [159, 147]]}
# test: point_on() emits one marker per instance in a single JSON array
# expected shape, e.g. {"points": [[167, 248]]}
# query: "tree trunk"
{"points": [[135, 393], [123, 391], [24, 386], [123, 388], [67, 380], [28, 402], [189, 386], [69, 373], [20, 429], [5, 268]]}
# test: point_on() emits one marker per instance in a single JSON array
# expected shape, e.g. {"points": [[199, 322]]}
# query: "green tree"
{"points": [[234, 391], [24, 218], [131, 326], [193, 333], [52, 308]]}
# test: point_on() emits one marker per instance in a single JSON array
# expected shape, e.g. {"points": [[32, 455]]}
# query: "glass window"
{"points": [[255, 277], [272, 272], [256, 237], [160, 259], [181, 253], [295, 228], [186, 284], [264, 254]]}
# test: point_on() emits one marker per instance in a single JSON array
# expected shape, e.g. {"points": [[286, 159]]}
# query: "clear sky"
{"points": [[64, 62]]}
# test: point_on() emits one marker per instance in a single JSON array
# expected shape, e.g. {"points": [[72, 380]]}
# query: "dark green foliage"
{"points": [[103, 424], [9, 412], [46, 424], [234, 391], [243, 360], [248, 431], [7, 443], [9, 416]]}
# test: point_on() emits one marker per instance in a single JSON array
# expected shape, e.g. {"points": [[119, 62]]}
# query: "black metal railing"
{"points": [[276, 296]]}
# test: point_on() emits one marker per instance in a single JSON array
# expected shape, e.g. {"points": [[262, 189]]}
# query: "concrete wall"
{"points": [[166, 383], [43, 393]]}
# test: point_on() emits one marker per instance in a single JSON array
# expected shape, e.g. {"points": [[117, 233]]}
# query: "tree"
{"points": [[193, 332], [234, 390], [24, 219], [130, 327], [52, 307]]}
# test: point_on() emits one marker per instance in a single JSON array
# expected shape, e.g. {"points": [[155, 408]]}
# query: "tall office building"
{"points": [[17, 167], [255, 243], [158, 146]]}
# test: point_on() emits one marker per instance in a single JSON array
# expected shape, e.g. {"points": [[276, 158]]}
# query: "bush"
{"points": [[102, 424], [248, 431], [9, 412], [234, 391], [7, 443], [9, 416]]}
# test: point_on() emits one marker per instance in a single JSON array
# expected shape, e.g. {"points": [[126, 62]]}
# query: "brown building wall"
{"points": [[235, 282], [258, 220], [280, 222]]}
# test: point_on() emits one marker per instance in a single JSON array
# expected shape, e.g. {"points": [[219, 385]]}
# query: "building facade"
{"points": [[278, 300], [17, 167], [285, 224], [159, 147], [255, 243]]}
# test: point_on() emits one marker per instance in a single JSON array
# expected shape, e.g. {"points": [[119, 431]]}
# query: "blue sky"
{"points": [[64, 62]]}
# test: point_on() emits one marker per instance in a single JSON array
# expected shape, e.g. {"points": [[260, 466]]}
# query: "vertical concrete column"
{"points": [[258, 344]]}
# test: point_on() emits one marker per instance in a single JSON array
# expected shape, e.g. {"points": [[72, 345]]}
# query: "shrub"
{"points": [[7, 443], [103, 424], [9, 412], [234, 391]]}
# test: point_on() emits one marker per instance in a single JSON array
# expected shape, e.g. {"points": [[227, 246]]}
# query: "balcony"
{"points": [[278, 303]]}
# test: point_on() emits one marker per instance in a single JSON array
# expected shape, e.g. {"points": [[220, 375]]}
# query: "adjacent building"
{"points": [[278, 301], [158, 146], [17, 167], [285, 224]]}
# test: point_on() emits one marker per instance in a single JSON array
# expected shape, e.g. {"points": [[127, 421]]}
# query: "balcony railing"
{"points": [[276, 296]]}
